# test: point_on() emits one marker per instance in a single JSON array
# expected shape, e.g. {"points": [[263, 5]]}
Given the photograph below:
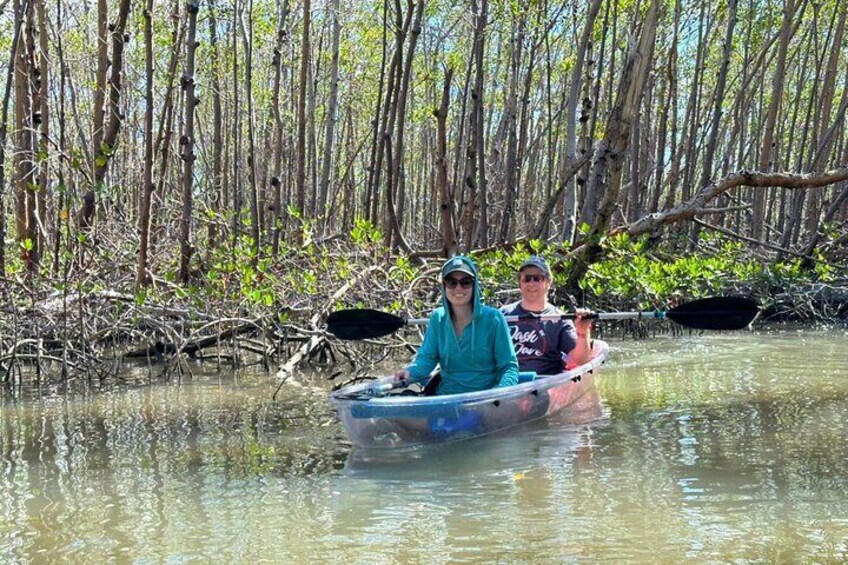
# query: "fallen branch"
{"points": [[319, 339], [652, 223], [192, 346]]}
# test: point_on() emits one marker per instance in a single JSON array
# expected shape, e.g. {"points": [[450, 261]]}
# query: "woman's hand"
{"points": [[402, 377]]}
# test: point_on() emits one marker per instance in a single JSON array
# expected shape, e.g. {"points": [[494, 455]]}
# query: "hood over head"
{"points": [[459, 263], [463, 264]]}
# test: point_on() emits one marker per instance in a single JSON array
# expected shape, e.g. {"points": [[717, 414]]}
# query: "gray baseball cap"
{"points": [[539, 263]]}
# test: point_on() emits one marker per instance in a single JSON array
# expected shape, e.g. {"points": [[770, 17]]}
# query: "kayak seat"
{"points": [[526, 376]]}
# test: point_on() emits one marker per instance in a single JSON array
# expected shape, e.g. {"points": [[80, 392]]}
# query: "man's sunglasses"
{"points": [[465, 282], [533, 278]]}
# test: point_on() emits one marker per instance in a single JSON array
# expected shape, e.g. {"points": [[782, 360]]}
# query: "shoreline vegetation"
{"points": [[209, 179], [85, 331]]}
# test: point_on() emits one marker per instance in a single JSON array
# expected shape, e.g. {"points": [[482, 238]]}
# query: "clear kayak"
{"points": [[377, 417]]}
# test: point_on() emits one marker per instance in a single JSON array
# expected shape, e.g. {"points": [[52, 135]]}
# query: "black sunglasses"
{"points": [[534, 278], [464, 282]]}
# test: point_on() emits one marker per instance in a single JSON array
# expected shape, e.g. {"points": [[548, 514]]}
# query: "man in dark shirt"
{"points": [[542, 345]]}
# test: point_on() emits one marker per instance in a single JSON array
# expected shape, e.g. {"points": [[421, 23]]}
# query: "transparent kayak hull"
{"points": [[375, 420]]}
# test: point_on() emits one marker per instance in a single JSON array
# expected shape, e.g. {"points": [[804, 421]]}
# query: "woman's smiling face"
{"points": [[459, 288]]}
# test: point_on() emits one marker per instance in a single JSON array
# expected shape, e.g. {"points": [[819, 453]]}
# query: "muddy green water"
{"points": [[705, 449]]}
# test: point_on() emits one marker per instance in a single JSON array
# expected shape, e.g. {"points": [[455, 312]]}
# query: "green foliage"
{"points": [[404, 269], [235, 276], [365, 234], [567, 63], [824, 271], [632, 272], [294, 212]]}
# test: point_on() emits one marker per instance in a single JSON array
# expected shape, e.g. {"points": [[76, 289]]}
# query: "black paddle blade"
{"points": [[356, 324], [716, 313]]}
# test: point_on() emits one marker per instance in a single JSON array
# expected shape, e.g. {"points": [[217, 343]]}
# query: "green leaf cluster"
{"points": [[631, 271], [365, 234]]}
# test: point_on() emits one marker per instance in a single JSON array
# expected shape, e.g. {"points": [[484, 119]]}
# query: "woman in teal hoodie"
{"points": [[469, 340]]}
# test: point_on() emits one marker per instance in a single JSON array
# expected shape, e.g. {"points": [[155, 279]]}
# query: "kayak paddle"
{"points": [[714, 313]]}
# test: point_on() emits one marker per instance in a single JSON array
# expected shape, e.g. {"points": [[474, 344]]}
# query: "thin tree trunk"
{"points": [[446, 196], [778, 81], [839, 197], [371, 202], [348, 181], [142, 276], [482, 228], [165, 132], [311, 137], [99, 94], [300, 150], [235, 147], [216, 189], [115, 116], [469, 202], [718, 103], [11, 77], [590, 112], [60, 218], [331, 118], [43, 121], [247, 38], [187, 142], [106, 148], [390, 114], [512, 166], [793, 227], [824, 135], [459, 145], [524, 123], [569, 204], [668, 92], [695, 123], [684, 148], [276, 185], [630, 206], [23, 157], [398, 171]]}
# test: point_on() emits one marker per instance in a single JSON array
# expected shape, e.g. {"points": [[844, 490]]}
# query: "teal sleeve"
{"points": [[427, 357], [505, 360]]}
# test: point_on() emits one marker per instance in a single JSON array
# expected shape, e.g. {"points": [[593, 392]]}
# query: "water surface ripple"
{"points": [[704, 449]]}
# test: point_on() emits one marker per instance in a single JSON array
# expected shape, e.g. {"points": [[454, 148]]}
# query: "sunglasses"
{"points": [[534, 278], [465, 282]]}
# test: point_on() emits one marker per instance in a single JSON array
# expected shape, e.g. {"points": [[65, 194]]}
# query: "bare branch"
{"points": [[689, 209], [765, 244]]}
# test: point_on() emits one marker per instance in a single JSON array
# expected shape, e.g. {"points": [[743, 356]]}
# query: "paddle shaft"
{"points": [[713, 313], [655, 315]]}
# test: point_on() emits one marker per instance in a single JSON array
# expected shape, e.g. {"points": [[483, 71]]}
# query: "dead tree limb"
{"points": [[318, 340], [653, 223]]}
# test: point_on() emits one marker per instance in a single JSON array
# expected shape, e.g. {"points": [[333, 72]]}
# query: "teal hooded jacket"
{"points": [[483, 358]]}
